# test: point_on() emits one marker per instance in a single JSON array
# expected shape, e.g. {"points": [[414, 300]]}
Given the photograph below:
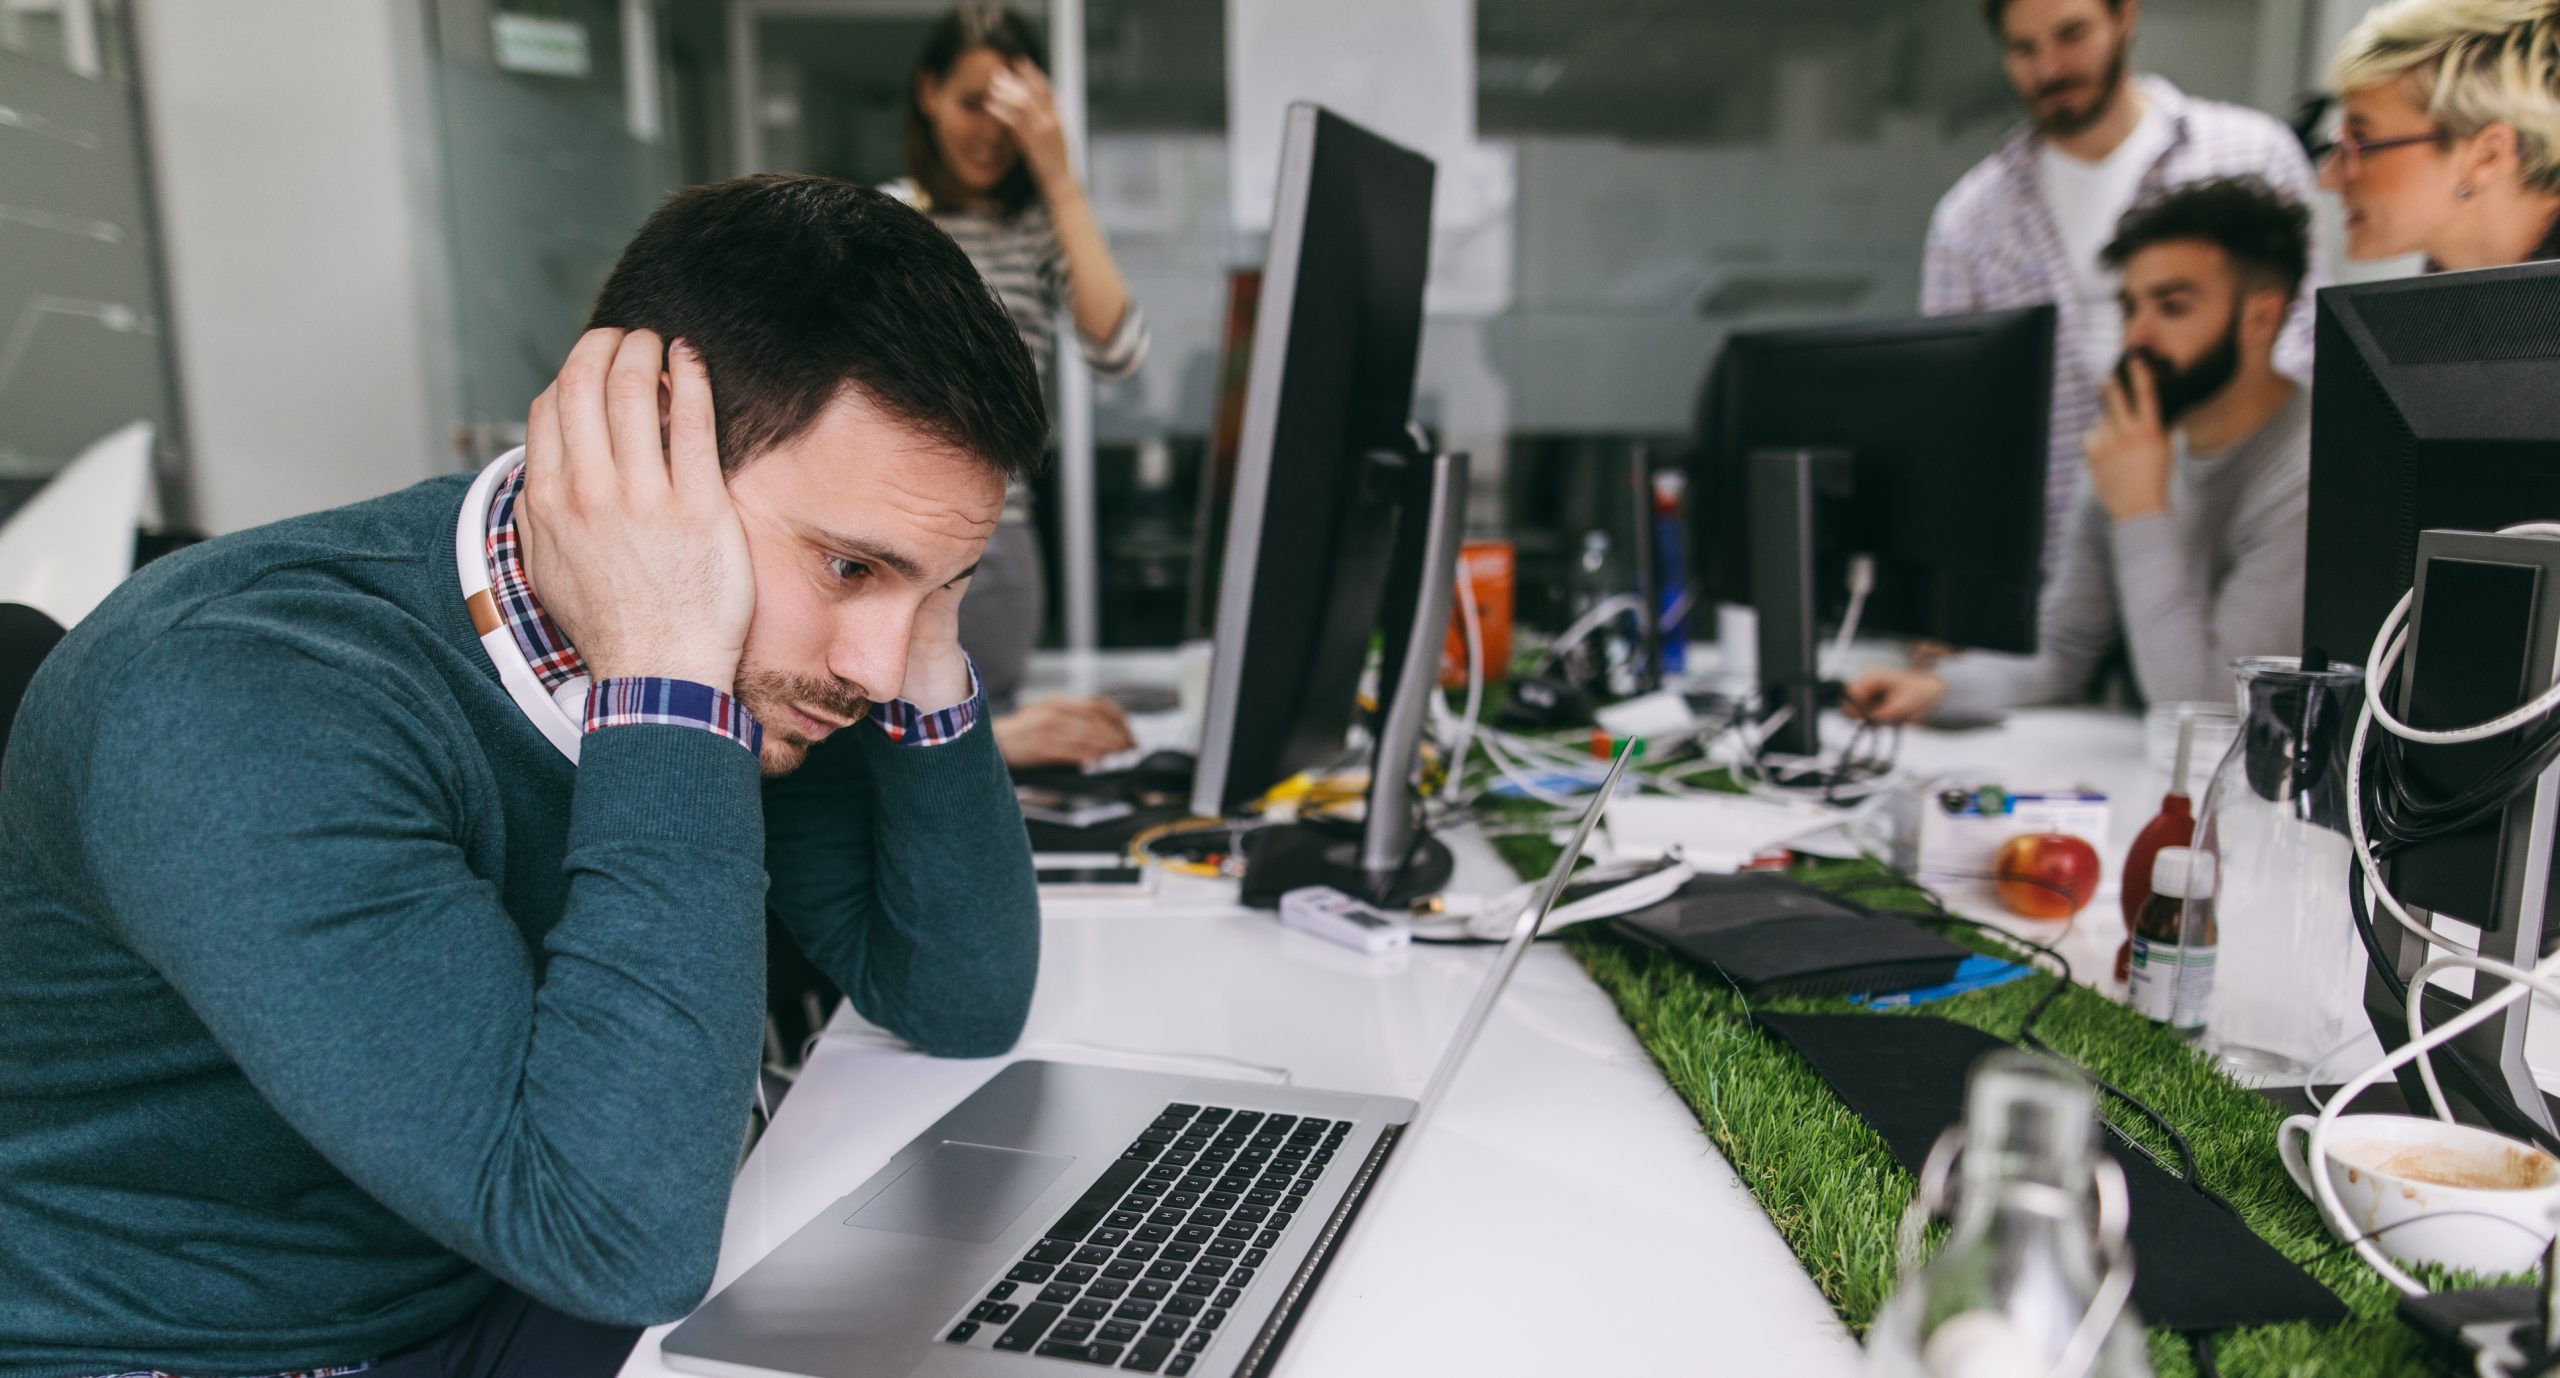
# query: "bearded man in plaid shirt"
{"points": [[2024, 226]]}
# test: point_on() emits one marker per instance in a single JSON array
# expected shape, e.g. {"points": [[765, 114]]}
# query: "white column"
{"points": [[643, 107], [292, 151], [80, 38], [1079, 539]]}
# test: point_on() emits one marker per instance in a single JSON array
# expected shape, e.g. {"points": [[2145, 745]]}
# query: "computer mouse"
{"points": [[1165, 772]]}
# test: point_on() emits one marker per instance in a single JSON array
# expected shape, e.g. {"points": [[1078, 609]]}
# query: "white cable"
{"points": [[2363, 846], [2390, 641], [1598, 613], [1862, 581], [2384, 660], [2417, 1015], [2311, 1073], [2324, 1193], [1494, 915], [1519, 775]]}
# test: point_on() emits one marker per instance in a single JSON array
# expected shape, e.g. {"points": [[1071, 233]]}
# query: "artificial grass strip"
{"points": [[1835, 1193]]}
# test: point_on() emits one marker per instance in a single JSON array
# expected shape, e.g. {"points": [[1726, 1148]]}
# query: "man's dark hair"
{"points": [[795, 288], [954, 36], [1995, 10], [2266, 233]]}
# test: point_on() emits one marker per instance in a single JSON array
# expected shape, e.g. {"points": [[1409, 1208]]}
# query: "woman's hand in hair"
{"points": [[1019, 96], [629, 539]]}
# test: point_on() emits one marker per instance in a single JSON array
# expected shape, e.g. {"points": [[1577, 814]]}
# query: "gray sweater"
{"points": [[2215, 577]]}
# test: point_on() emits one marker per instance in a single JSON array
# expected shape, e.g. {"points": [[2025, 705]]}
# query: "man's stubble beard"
{"points": [[2063, 124], [771, 694]]}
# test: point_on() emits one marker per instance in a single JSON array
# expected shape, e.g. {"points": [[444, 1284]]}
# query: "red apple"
{"points": [[2046, 875]]}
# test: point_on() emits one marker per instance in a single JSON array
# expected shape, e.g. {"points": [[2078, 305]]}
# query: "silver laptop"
{"points": [[1065, 1214]]}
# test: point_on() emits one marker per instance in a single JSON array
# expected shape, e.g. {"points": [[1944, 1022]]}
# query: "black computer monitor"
{"points": [[2435, 404], [1918, 443], [1330, 535], [2435, 408]]}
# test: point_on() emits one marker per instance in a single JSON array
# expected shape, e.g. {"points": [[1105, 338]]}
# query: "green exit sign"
{"points": [[545, 47]]}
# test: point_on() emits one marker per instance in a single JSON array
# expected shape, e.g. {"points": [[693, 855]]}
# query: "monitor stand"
{"points": [[1387, 859], [1787, 491]]}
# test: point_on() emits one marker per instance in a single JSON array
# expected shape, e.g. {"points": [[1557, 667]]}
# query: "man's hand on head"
{"points": [[2129, 453], [629, 537]]}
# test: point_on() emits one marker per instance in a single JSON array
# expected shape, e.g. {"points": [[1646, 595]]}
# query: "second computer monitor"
{"points": [[2436, 404], [1943, 421], [1313, 527]]}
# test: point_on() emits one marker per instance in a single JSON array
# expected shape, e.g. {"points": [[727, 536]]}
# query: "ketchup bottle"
{"points": [[2174, 826]]}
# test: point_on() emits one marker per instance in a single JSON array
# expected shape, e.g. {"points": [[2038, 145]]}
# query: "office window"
{"points": [[83, 347], [559, 127]]}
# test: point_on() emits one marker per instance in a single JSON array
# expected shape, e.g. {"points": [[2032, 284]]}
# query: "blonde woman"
{"points": [[2451, 140]]}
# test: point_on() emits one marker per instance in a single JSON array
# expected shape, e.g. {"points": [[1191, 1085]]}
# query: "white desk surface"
{"points": [[1563, 1211]]}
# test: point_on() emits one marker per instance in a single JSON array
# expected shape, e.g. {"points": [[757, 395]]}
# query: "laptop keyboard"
{"points": [[1143, 1270]]}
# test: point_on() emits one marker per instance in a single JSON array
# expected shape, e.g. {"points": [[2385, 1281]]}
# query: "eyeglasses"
{"points": [[2351, 151]]}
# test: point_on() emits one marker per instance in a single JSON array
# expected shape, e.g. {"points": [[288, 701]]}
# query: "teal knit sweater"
{"points": [[329, 991]]}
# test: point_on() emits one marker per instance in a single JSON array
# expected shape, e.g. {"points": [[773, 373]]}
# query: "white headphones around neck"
{"points": [[561, 713]]}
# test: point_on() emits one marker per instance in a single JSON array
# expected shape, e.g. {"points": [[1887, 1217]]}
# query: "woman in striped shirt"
{"points": [[987, 160]]}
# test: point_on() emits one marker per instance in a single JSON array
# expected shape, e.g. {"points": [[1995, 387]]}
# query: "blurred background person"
{"points": [[2450, 142], [2187, 547], [987, 160], [2025, 225]]}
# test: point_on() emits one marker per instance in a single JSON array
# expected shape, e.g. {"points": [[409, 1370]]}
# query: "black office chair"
{"points": [[27, 636]]}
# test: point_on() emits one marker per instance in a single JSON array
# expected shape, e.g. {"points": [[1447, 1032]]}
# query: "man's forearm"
{"points": [[957, 945], [905, 873]]}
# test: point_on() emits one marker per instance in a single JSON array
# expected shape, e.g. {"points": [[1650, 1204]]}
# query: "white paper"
{"points": [[1715, 832]]}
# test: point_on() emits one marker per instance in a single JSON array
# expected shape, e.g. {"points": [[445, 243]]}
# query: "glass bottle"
{"points": [[2173, 826], [2172, 969], [2289, 973], [2035, 1278]]}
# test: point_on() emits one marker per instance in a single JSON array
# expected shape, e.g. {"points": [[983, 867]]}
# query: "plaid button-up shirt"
{"points": [[633, 699], [1993, 244]]}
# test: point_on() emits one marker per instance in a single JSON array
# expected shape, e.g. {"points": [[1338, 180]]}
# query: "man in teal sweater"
{"points": [[382, 905]]}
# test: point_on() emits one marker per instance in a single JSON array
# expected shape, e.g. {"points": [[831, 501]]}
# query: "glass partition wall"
{"points": [[1645, 177], [83, 346]]}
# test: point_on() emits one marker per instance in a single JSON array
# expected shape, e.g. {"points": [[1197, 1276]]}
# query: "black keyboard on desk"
{"points": [[1145, 1267]]}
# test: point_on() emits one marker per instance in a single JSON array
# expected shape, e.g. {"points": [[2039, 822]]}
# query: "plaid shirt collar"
{"points": [[555, 662]]}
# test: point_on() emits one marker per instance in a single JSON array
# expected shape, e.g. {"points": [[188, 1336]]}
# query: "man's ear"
{"points": [[2263, 312]]}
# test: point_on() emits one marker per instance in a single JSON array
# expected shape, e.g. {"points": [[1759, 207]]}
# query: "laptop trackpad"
{"points": [[962, 1191]]}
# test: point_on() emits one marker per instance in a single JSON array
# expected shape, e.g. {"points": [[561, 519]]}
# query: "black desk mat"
{"points": [[1113, 835], [2197, 1267]]}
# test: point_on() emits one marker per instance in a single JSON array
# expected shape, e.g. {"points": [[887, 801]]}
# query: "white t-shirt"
{"points": [[2087, 199]]}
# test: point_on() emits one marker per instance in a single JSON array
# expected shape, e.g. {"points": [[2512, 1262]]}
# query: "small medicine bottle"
{"points": [[2172, 968]]}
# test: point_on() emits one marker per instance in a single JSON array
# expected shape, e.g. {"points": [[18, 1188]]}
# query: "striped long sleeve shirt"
{"points": [[1021, 259]]}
